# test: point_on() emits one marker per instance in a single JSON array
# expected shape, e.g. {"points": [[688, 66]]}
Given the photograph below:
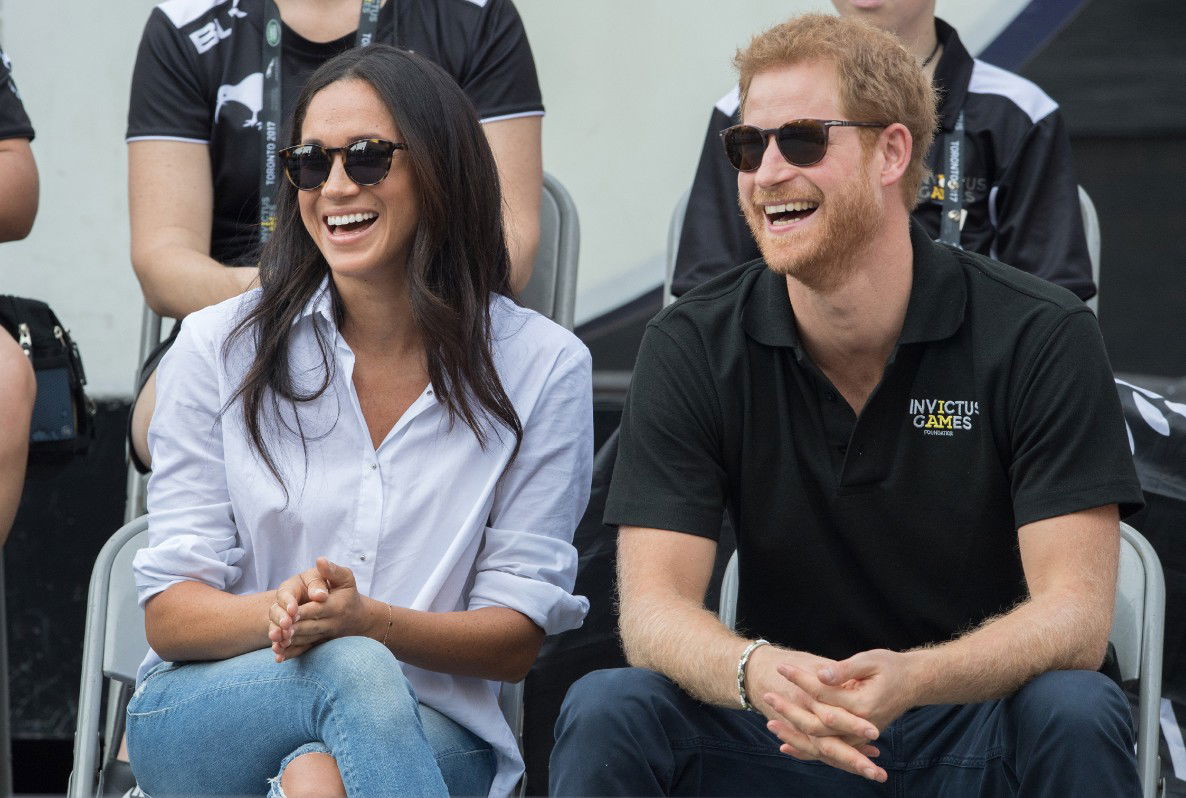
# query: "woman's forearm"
{"points": [[193, 621], [494, 643]]}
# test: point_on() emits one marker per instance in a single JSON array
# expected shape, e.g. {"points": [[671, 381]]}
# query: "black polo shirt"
{"points": [[898, 527]]}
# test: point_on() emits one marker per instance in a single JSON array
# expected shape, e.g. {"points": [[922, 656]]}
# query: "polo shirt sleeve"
{"points": [[501, 80], [14, 122], [167, 100], [714, 237], [1070, 448], [669, 473]]}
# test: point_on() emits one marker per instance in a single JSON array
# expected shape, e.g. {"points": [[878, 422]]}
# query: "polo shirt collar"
{"points": [[952, 74], [935, 311]]}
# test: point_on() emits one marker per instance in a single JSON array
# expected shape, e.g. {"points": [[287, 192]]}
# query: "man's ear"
{"points": [[895, 145]]}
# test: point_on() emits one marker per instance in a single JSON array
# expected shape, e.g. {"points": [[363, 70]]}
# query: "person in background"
{"points": [[1020, 201], [196, 128], [18, 207], [927, 530], [367, 473]]}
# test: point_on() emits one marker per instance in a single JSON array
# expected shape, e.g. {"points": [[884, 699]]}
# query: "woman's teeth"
{"points": [[349, 218]]}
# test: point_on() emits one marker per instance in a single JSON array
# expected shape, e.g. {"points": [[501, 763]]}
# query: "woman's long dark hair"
{"points": [[458, 255]]}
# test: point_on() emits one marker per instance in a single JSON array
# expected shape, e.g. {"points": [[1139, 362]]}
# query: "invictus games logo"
{"points": [[943, 416]]}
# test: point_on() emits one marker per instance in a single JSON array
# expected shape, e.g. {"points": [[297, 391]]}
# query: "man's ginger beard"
{"points": [[823, 258]]}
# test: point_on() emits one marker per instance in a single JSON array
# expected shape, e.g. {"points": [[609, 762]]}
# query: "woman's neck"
{"points": [[377, 317]]}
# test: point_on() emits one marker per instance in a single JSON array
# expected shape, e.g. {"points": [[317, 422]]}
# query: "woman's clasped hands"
{"points": [[320, 604]]}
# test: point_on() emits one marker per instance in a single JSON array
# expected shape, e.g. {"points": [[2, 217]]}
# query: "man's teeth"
{"points": [[349, 218], [791, 206]]}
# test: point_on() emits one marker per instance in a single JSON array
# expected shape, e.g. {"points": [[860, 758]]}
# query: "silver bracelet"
{"points": [[741, 663]]}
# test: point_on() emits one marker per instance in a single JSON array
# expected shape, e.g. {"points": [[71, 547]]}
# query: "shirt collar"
{"points": [[952, 74], [935, 310], [321, 303]]}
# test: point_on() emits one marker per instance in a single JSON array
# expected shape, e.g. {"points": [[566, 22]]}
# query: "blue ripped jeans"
{"points": [[230, 727]]}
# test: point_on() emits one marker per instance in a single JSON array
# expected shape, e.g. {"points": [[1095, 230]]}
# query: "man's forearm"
{"points": [[684, 642], [1056, 632]]}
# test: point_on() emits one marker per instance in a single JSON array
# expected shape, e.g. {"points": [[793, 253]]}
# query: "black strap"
{"points": [[951, 222], [271, 115]]}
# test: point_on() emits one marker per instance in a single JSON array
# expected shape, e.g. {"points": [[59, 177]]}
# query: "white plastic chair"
{"points": [[1138, 629]]}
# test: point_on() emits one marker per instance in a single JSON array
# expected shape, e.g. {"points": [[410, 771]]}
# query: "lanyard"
{"points": [[271, 114], [953, 196]]}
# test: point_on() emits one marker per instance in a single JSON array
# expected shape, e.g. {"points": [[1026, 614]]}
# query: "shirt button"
{"points": [[362, 557], [374, 466], [830, 396]]}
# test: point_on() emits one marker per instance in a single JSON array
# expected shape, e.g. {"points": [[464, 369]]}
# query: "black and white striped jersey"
{"points": [[1020, 190], [198, 78]]}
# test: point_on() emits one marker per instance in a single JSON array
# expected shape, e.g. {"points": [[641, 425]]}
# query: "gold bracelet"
{"points": [[387, 631]]}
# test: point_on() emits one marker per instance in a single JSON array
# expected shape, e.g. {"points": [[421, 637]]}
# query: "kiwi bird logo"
{"points": [[249, 92]]}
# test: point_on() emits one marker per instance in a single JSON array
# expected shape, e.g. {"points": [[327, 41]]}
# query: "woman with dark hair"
{"points": [[366, 473]]}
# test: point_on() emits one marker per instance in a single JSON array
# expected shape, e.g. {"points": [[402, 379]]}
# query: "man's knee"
{"points": [[1074, 703], [613, 697]]}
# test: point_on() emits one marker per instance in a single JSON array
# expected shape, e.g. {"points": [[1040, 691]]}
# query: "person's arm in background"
{"points": [[18, 197], [170, 178], [714, 237], [170, 204], [516, 147], [1036, 204]]}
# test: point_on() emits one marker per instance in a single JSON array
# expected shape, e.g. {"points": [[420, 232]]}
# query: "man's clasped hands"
{"points": [[832, 711]]}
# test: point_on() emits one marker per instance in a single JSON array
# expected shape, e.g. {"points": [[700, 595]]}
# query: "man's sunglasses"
{"points": [[802, 142], [366, 161]]}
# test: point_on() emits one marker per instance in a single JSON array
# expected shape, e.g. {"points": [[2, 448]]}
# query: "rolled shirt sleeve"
{"points": [[191, 530], [527, 561]]}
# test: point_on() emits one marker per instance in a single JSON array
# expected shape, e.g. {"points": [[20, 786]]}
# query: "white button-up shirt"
{"points": [[430, 520]]}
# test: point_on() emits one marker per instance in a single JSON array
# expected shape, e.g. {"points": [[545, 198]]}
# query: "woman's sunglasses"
{"points": [[366, 162], [802, 142]]}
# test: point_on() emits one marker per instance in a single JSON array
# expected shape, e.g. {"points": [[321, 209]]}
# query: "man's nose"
{"points": [[773, 168]]}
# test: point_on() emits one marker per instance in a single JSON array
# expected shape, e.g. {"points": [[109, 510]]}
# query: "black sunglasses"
{"points": [[802, 142], [367, 162]]}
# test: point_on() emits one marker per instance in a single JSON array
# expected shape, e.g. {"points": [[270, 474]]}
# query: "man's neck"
{"points": [[851, 328]]}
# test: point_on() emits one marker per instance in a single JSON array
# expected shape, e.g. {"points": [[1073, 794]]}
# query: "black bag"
{"points": [[63, 415]]}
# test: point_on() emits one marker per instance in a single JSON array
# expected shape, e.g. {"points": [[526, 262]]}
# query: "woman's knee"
{"points": [[313, 774], [362, 670]]}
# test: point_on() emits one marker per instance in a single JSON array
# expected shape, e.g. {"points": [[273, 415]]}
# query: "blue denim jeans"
{"points": [[230, 727], [634, 732]]}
